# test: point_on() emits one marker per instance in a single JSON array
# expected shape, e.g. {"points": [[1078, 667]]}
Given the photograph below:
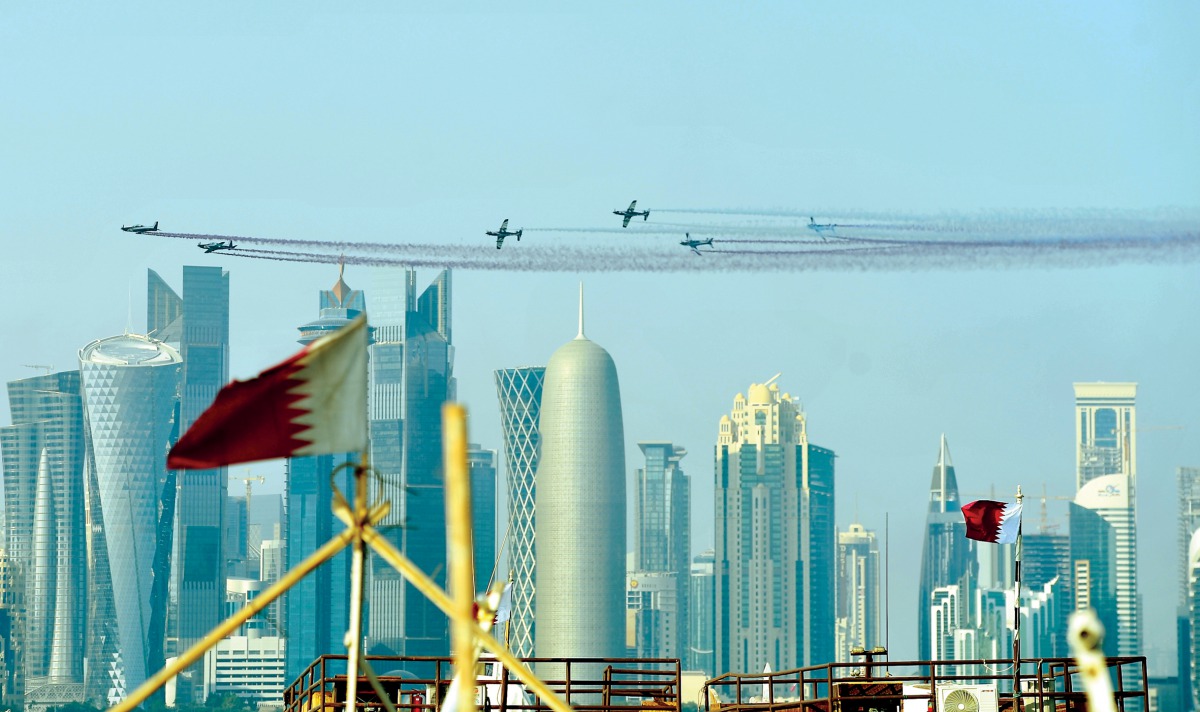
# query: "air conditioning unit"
{"points": [[967, 698]]}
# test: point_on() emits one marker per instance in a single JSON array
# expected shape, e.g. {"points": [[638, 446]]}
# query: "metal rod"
{"points": [[353, 639], [1017, 607], [230, 624], [463, 624], [438, 597]]}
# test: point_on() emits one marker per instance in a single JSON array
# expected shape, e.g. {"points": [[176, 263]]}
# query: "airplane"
{"points": [[140, 229], [214, 246], [689, 242], [631, 212], [503, 232], [820, 228]]}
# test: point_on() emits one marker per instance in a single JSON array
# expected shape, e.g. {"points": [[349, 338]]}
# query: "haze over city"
{"points": [[387, 124]]}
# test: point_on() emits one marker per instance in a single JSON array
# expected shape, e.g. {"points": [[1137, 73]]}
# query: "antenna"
{"points": [[773, 378], [47, 369], [580, 335]]}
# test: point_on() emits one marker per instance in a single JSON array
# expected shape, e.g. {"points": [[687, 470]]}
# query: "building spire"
{"points": [[580, 335]]}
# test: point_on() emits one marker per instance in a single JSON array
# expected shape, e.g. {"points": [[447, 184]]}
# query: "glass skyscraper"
{"points": [[43, 456], [948, 554], [198, 326], [131, 388], [520, 394], [775, 537], [316, 610], [662, 547], [412, 377], [482, 464], [1093, 569], [1106, 437]]}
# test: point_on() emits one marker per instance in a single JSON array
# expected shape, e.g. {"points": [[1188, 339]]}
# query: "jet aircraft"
{"points": [[820, 228], [503, 232], [689, 242], [632, 212], [214, 246], [140, 229]]}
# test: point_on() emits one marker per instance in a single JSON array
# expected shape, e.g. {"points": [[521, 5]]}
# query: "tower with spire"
{"points": [[580, 502], [947, 553]]}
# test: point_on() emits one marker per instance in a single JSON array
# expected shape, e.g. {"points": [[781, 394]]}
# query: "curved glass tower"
{"points": [[520, 392], [580, 503], [948, 553], [130, 389]]}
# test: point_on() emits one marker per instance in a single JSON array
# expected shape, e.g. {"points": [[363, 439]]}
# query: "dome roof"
{"points": [[129, 350]]}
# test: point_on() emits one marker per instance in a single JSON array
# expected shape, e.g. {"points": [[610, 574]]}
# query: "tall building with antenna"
{"points": [[580, 506], [775, 537], [1106, 483], [520, 394], [948, 555]]}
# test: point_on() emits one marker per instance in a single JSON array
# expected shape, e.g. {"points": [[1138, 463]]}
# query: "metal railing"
{"points": [[1050, 685], [420, 684]]}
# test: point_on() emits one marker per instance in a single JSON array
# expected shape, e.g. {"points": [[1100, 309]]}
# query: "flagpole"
{"points": [[1017, 610]]}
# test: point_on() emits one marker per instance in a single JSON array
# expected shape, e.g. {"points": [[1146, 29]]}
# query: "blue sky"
{"points": [[394, 122]]}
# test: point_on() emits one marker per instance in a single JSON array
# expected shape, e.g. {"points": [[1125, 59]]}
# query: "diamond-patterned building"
{"points": [[520, 393], [130, 387]]}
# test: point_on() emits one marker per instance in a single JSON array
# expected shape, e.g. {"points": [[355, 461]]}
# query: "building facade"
{"points": [[859, 610], [316, 610], [520, 394], [481, 464], [580, 503], [775, 537], [411, 380], [43, 456], [131, 389], [947, 554], [662, 549], [702, 615]]}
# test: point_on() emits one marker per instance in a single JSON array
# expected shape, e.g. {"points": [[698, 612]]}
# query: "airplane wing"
{"points": [[500, 239], [504, 225], [625, 222], [633, 206]]}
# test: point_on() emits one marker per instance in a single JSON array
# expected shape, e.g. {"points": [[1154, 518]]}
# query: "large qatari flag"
{"points": [[988, 520], [313, 403]]}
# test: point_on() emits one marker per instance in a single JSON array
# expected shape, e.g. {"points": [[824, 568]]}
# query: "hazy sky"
{"points": [[389, 124]]}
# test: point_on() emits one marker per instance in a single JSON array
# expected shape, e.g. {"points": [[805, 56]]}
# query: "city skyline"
{"points": [[905, 110]]}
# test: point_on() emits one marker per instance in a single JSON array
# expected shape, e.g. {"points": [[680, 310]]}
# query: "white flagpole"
{"points": [[1017, 608]]}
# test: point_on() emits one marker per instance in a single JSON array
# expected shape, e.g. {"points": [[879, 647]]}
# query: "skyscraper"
{"points": [[1106, 437], [481, 464], [1046, 563], [198, 326], [1093, 564], [131, 386], [316, 609], [775, 545], [1188, 480], [662, 548], [859, 616], [947, 554], [43, 455], [702, 614], [581, 505], [411, 382], [520, 394]]}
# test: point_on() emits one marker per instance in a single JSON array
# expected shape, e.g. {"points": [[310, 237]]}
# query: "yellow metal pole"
{"points": [[458, 530], [430, 590], [259, 602], [353, 639]]}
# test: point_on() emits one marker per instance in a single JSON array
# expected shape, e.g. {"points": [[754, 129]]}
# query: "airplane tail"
{"points": [[646, 216], [519, 235], [155, 224]]}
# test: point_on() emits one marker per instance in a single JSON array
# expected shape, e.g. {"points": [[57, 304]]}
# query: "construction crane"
{"points": [[47, 369], [249, 480]]}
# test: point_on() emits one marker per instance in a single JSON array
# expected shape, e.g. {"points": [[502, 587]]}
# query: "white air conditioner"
{"points": [[967, 698]]}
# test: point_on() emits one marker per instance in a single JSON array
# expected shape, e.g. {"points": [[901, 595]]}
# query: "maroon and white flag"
{"points": [[988, 520], [311, 404]]}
